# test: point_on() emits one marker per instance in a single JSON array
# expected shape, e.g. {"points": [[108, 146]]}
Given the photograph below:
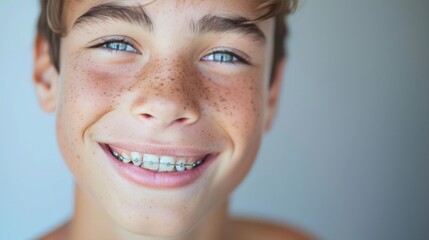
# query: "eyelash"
{"points": [[217, 56], [235, 58], [119, 42]]}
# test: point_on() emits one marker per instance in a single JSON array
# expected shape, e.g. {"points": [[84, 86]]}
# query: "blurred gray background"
{"points": [[348, 157]]}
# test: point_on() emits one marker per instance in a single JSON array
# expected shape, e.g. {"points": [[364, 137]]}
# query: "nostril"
{"points": [[181, 120], [146, 116]]}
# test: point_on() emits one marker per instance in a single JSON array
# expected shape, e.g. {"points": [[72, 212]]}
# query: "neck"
{"points": [[90, 221]]}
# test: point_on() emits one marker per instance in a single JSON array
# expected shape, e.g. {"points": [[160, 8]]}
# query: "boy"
{"points": [[160, 107]]}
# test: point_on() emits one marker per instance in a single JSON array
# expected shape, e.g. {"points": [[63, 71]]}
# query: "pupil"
{"points": [[222, 57], [117, 46]]}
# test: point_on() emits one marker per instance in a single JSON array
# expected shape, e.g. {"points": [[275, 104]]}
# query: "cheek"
{"points": [[240, 107], [87, 92], [239, 110]]}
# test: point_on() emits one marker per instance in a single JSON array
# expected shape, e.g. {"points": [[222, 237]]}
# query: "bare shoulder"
{"points": [[250, 229], [58, 233]]}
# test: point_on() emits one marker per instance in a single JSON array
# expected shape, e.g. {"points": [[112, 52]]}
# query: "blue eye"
{"points": [[220, 57], [120, 46], [116, 44], [224, 57]]}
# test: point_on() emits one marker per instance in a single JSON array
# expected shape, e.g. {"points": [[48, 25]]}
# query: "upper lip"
{"points": [[160, 150]]}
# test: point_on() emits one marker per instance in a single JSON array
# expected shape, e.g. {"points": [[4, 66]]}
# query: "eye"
{"points": [[116, 45], [224, 56], [120, 46]]}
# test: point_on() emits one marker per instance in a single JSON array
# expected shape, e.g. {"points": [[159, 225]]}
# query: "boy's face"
{"points": [[184, 83]]}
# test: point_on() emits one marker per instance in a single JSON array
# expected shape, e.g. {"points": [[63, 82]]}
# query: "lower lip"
{"points": [[150, 179]]}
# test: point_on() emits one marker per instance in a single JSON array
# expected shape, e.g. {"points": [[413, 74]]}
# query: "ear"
{"points": [[45, 76], [274, 94]]}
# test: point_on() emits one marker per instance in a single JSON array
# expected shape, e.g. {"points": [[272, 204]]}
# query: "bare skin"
{"points": [[172, 86], [244, 229], [239, 229], [218, 225]]}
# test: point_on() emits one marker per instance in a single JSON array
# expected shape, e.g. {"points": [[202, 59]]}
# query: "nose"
{"points": [[165, 102], [166, 112]]}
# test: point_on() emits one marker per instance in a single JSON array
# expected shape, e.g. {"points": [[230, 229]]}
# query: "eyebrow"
{"points": [[220, 24], [111, 11], [137, 15]]}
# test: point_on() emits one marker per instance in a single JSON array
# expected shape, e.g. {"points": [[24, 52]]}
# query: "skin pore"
{"points": [[184, 79]]}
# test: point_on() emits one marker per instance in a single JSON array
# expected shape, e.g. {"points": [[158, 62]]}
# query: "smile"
{"points": [[158, 166], [157, 163]]}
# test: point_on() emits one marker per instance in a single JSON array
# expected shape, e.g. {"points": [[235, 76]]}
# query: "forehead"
{"points": [[244, 8]]}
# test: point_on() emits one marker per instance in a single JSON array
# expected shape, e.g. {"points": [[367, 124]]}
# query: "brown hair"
{"points": [[51, 26]]}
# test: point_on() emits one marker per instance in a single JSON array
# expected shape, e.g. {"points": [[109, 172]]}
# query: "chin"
{"points": [[159, 223]]}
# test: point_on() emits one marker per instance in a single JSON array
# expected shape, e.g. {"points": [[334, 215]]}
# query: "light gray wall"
{"points": [[347, 159]]}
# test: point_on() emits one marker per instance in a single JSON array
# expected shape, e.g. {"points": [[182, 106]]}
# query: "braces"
{"points": [[167, 164]]}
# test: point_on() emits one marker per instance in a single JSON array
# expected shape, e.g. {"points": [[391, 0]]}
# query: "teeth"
{"points": [[180, 165], [136, 158], [166, 164], [150, 162], [125, 158], [156, 163], [189, 166]]}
